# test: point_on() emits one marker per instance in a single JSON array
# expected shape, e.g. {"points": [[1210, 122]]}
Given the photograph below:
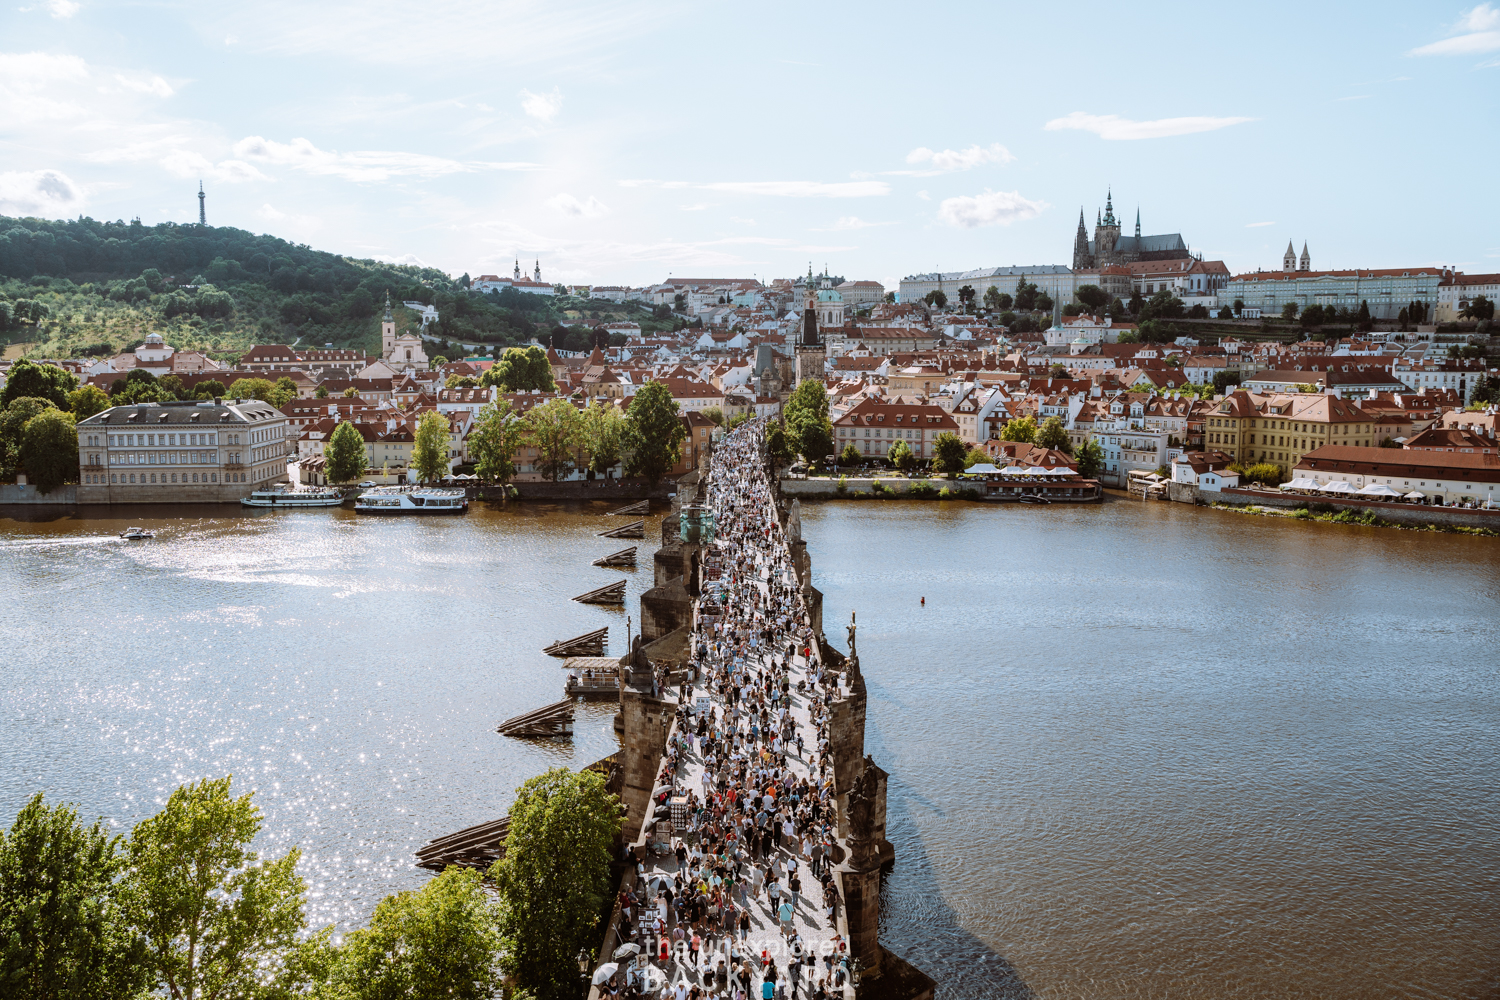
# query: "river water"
{"points": [[1135, 750]]}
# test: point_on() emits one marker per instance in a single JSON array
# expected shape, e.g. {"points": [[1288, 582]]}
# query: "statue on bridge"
{"points": [[794, 522]]}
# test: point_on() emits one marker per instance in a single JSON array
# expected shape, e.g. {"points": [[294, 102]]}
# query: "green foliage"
{"points": [[604, 435], [321, 392], [976, 456], [850, 455], [48, 382], [1026, 295], [212, 388], [555, 430], [992, 298], [520, 370], [1022, 429], [251, 388], [1223, 380], [62, 935], [49, 449], [808, 429], [87, 400], [715, 414], [429, 453], [878, 488], [921, 491], [843, 485], [936, 298], [438, 943], [1128, 337], [1265, 472], [653, 434], [13, 420], [900, 456], [554, 878], [950, 452], [217, 920], [1052, 434], [496, 437], [1092, 297], [778, 445], [1480, 308], [1090, 459], [344, 452]]}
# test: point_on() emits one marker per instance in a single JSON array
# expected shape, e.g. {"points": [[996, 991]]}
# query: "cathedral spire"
{"points": [[1109, 209], [1137, 222]]}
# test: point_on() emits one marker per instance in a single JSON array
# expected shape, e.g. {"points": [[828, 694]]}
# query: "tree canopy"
{"points": [[555, 430], [494, 441], [809, 432], [1021, 429], [429, 454], [520, 370], [654, 433], [950, 452], [604, 429], [344, 452], [1052, 434], [49, 382], [49, 449]]}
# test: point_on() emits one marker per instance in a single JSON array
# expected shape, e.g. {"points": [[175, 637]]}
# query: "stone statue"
{"points": [[861, 815], [852, 628], [640, 664], [794, 522]]}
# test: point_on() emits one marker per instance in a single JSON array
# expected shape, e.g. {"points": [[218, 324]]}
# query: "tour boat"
{"points": [[1032, 498], [280, 496], [411, 500], [136, 534]]}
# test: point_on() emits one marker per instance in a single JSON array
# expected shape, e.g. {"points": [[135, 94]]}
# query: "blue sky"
{"points": [[623, 142]]}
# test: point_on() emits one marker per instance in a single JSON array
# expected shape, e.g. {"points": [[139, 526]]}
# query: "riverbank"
{"points": [[1350, 515]]}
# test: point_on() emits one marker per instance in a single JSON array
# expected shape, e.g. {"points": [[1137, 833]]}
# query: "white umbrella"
{"points": [[1414, 495], [604, 971], [1036, 470], [1339, 487], [981, 468], [1012, 470], [1061, 470], [626, 950], [1379, 490]]}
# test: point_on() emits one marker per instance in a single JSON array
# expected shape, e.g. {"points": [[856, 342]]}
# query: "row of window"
{"points": [[159, 478], [155, 440], [158, 458]]}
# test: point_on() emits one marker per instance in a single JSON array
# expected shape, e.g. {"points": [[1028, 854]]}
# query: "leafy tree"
{"points": [[975, 457], [554, 878], [555, 430], [1480, 308], [437, 943], [87, 400], [1223, 380], [520, 370], [950, 452], [1226, 313], [252, 388], [49, 382], [1022, 429], [1198, 311], [283, 392], [429, 453], [1137, 302], [1008, 319], [217, 920], [1128, 337], [1058, 370], [1163, 305], [1402, 318], [1025, 296], [992, 299], [808, 429], [344, 452], [1073, 309], [351, 393], [171, 385], [1090, 459], [1044, 302], [321, 392], [936, 298], [1052, 434], [1117, 308], [1239, 306], [1362, 319], [1004, 301], [460, 382], [62, 935], [214, 389], [778, 446], [715, 414], [900, 455], [850, 455], [13, 420], [604, 435], [1289, 311], [49, 449], [1092, 297], [495, 439], [653, 433], [966, 296], [1265, 472]]}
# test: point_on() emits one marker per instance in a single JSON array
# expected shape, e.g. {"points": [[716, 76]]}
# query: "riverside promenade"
{"points": [[760, 835]]}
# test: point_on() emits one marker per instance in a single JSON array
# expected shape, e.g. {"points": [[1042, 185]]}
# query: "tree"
{"points": [[1239, 306], [1163, 305], [1265, 472], [1362, 319], [715, 414], [850, 455], [1198, 311], [1402, 318], [1052, 434], [1137, 303], [214, 389], [13, 420], [351, 393], [900, 455], [62, 935], [808, 429], [936, 298], [497, 435], [254, 388], [604, 435], [1226, 313], [171, 385], [1058, 370], [429, 453], [520, 370], [949, 451], [555, 430], [1090, 459], [283, 392], [87, 400], [966, 296], [1223, 380], [217, 920], [321, 392], [1289, 311], [344, 453], [1044, 302], [975, 457], [653, 433], [49, 449], [1093, 297], [1480, 308], [1128, 337], [554, 878], [992, 299], [49, 382], [1022, 429]]}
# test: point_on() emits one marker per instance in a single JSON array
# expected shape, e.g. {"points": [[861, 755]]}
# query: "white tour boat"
{"points": [[136, 534], [411, 500], [281, 497]]}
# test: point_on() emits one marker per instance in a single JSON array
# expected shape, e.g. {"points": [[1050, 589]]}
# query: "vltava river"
{"points": [[1135, 751]]}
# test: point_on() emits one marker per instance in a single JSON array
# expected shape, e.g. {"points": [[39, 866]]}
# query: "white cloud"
{"points": [[406, 258], [803, 189], [1478, 30], [145, 85], [61, 8], [26, 79], [589, 208], [992, 208], [924, 196], [1257, 225], [542, 106], [848, 222], [949, 160], [1115, 127], [359, 165], [271, 213], [47, 193], [189, 165], [700, 206]]}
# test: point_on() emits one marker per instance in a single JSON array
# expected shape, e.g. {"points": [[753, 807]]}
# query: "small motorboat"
{"points": [[1032, 498], [136, 534]]}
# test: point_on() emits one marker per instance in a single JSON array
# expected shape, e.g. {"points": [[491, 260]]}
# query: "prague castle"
{"points": [[1108, 247]]}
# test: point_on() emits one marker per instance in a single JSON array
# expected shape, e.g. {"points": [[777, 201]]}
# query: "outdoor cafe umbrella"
{"points": [[1339, 487], [604, 971], [626, 950], [1415, 495], [1379, 490]]}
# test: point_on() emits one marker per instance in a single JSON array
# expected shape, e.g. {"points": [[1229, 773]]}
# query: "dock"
{"points": [[644, 507], [588, 644], [472, 847], [548, 721], [592, 677], [624, 557], [613, 593], [635, 529]]}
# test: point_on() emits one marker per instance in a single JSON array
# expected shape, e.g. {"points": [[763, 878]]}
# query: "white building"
{"points": [[1386, 290], [1057, 281]]}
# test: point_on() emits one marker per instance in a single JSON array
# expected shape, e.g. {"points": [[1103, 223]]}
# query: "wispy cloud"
{"points": [[1476, 31], [587, 208], [543, 107], [991, 208], [1116, 128], [61, 9], [1356, 97], [47, 193], [775, 189], [1257, 225], [949, 160], [360, 165], [272, 214], [153, 85], [29, 85], [848, 222]]}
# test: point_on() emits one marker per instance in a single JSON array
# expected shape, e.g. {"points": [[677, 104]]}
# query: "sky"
{"points": [[624, 143]]}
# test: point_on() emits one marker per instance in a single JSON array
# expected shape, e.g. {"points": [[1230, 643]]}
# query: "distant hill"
{"points": [[82, 286]]}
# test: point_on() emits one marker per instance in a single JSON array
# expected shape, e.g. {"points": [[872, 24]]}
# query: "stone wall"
{"points": [[175, 493], [1400, 513], [1183, 492], [624, 490], [10, 493]]}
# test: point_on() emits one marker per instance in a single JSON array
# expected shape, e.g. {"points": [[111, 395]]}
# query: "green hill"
{"points": [[81, 287]]}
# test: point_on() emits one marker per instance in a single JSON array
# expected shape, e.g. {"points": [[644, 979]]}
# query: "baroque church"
{"points": [[1108, 247]]}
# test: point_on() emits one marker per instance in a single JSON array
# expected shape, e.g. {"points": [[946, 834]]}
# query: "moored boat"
{"points": [[411, 500], [281, 497], [136, 534]]}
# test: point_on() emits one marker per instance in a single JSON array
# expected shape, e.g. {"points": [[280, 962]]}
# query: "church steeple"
{"points": [[518, 269], [1289, 259], [1109, 208], [1305, 264], [1138, 222], [1081, 258]]}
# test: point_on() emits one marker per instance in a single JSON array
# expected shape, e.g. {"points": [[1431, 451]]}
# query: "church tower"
{"points": [[1107, 234], [1138, 222], [810, 350], [1081, 257], [517, 275], [1305, 264], [538, 271], [387, 330], [1289, 259]]}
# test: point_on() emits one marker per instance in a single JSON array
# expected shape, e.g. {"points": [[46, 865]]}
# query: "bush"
{"points": [[922, 491], [843, 486], [878, 488]]}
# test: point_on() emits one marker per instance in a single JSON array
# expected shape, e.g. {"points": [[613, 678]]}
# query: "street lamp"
{"points": [[856, 970], [584, 961]]}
